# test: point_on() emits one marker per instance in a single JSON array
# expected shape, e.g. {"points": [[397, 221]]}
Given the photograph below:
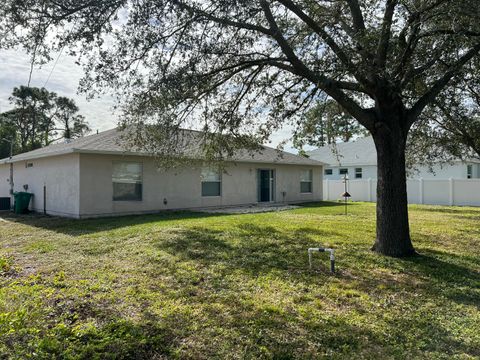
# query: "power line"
{"points": [[59, 54], [54, 65]]}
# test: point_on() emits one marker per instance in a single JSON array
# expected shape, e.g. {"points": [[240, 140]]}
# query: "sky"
{"points": [[64, 80], [15, 69]]}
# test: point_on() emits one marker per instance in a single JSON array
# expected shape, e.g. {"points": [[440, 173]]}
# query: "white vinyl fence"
{"points": [[461, 192]]}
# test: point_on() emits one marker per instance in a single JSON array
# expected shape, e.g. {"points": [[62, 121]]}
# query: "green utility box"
{"points": [[22, 200]]}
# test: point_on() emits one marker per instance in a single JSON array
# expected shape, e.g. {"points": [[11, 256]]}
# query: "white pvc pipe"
{"points": [[332, 256]]}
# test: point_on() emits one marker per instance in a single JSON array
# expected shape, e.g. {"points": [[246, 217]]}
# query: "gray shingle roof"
{"points": [[359, 152], [109, 142], [362, 151]]}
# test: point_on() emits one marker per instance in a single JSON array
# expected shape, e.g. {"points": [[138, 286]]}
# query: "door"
{"points": [[265, 185]]}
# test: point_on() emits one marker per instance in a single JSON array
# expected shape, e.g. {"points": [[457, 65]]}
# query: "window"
{"points": [[127, 181], [469, 171], [211, 182], [358, 173], [328, 172], [343, 171], [28, 165], [306, 181]]}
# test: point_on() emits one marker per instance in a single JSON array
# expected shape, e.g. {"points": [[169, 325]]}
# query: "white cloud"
{"points": [[15, 69]]}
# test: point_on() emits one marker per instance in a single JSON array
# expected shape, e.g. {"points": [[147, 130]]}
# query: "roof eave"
{"points": [[129, 153], [19, 157]]}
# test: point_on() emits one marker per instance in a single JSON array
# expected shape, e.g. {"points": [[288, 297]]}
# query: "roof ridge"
{"points": [[107, 142]]}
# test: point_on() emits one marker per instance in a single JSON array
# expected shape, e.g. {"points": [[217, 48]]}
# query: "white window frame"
{"points": [[340, 171], [308, 181], [141, 180], [469, 171], [202, 181], [330, 170], [357, 172]]}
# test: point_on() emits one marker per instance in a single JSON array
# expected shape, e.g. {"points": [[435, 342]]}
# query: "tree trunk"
{"points": [[393, 233]]}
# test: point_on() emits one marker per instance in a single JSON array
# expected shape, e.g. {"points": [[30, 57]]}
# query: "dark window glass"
{"points": [[358, 173], [211, 182], [210, 188], [343, 171], [306, 178], [127, 192], [328, 171], [306, 187], [127, 181]]}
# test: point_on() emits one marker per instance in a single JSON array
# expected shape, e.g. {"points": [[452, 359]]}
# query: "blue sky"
{"points": [[14, 71]]}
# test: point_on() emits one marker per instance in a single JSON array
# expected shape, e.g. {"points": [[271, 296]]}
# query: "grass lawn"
{"points": [[196, 286]]}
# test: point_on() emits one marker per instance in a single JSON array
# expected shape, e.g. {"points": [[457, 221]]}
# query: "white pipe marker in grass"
{"points": [[332, 256]]}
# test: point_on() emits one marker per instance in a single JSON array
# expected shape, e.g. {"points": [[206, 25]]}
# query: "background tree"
{"points": [[40, 117], [7, 135], [324, 124], [65, 122], [29, 115], [450, 129], [248, 67]]}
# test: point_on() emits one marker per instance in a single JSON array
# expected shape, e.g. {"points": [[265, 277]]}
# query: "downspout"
{"points": [[11, 174]]}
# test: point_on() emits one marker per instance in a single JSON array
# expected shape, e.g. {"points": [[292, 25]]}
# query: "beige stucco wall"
{"points": [[59, 174], [182, 188]]}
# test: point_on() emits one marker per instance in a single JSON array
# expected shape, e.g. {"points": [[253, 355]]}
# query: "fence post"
{"points": [[450, 199], [327, 190], [370, 189], [420, 192]]}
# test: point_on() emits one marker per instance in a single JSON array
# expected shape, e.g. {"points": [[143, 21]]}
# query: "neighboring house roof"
{"points": [[109, 142], [359, 152]]}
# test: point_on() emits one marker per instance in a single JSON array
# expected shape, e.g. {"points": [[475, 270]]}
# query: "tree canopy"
{"points": [[38, 118], [450, 129], [325, 124], [251, 66]]}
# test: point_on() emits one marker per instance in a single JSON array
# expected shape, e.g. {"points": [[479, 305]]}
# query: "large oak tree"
{"points": [[239, 65]]}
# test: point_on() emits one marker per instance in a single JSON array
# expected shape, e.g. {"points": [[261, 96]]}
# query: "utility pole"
{"points": [[11, 141]]}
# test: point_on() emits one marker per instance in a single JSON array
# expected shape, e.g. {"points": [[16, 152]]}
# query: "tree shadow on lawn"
{"points": [[448, 210], [252, 248], [456, 282], [426, 273], [262, 249], [73, 227]]}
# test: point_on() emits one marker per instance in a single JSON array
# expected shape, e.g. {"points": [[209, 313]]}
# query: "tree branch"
{"points": [[357, 16], [344, 58], [384, 42], [440, 84], [221, 20], [328, 85]]}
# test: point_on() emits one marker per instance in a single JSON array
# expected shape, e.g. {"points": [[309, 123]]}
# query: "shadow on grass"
{"points": [[320, 204], [114, 338], [74, 227], [449, 210], [257, 249], [263, 249], [454, 281]]}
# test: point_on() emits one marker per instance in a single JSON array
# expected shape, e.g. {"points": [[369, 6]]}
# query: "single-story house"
{"points": [[358, 160], [96, 176]]}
